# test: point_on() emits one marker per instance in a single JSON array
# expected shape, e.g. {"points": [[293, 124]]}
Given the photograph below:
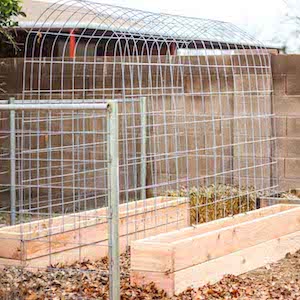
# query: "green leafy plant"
{"points": [[9, 10]]}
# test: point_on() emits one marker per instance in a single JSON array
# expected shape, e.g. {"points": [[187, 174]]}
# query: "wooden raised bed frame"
{"points": [[79, 236], [194, 256]]}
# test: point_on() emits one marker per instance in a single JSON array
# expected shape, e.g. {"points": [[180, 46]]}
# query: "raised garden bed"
{"points": [[84, 235], [194, 256]]}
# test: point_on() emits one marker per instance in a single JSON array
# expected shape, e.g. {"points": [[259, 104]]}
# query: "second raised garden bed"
{"points": [[194, 256]]}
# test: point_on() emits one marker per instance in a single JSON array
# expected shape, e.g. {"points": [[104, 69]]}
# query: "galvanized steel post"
{"points": [[12, 117], [143, 147], [113, 198]]}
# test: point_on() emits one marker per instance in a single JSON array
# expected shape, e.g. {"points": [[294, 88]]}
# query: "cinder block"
{"points": [[281, 148], [280, 167], [284, 105], [293, 147], [292, 84], [252, 83], [279, 84], [285, 64], [292, 168], [279, 64], [252, 60], [280, 126], [293, 126], [288, 183]]}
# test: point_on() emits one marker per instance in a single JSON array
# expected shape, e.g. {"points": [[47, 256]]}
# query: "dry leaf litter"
{"points": [[87, 280]]}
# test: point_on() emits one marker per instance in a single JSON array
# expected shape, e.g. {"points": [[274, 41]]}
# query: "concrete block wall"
{"points": [[286, 105]]}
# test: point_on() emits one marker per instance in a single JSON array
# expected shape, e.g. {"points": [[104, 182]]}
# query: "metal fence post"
{"points": [[113, 199], [143, 147], [12, 117]]}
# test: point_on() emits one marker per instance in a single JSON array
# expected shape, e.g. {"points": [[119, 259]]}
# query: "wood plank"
{"points": [[148, 221], [57, 224], [157, 217], [144, 215], [212, 271], [164, 281], [220, 223], [234, 238], [91, 252], [99, 233], [246, 231], [155, 256], [237, 263]]}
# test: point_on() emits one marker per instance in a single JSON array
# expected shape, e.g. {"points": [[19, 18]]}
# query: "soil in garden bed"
{"points": [[89, 280]]}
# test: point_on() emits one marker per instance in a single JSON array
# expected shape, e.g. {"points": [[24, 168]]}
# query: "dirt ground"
{"points": [[280, 280]]}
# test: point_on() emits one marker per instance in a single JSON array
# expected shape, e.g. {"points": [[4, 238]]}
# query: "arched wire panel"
{"points": [[195, 123]]}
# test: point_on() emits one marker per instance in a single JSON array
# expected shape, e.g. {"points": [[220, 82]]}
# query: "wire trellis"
{"points": [[193, 139]]}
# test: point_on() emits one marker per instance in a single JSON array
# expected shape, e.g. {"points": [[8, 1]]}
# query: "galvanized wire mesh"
{"points": [[4, 173], [196, 137]]}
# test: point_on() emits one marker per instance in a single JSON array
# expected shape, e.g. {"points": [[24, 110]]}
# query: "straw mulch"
{"points": [[213, 202]]}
